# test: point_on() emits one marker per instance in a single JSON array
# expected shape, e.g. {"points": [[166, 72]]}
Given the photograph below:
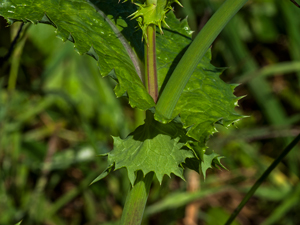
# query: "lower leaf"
{"points": [[154, 146]]}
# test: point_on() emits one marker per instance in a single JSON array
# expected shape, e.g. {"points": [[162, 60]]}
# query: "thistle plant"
{"points": [[164, 73]]}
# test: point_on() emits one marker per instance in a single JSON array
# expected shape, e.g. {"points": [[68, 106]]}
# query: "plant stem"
{"points": [[193, 56], [137, 197], [262, 178], [150, 63], [136, 200]]}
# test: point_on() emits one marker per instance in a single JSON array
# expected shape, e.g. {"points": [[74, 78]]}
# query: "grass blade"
{"points": [[262, 178]]}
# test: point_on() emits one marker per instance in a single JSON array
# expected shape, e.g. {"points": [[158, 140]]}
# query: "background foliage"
{"points": [[61, 114]]}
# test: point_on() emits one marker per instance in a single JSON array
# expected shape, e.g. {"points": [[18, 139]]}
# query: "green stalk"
{"points": [[138, 194], [193, 56], [150, 63], [136, 200], [262, 179]]}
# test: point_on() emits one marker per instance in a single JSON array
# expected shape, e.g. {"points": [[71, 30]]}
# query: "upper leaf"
{"points": [[206, 99], [98, 28]]}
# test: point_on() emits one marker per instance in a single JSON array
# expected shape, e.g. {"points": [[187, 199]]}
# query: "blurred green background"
{"points": [[57, 114]]}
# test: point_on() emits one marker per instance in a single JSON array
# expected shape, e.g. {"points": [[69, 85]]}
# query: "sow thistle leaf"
{"points": [[98, 28], [206, 99], [104, 173], [153, 147]]}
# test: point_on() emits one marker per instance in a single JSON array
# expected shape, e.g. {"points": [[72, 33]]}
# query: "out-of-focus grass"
{"points": [[53, 125], [61, 114], [260, 45]]}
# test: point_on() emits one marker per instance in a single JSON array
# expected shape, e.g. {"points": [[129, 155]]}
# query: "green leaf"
{"points": [[98, 28], [206, 99], [103, 174], [208, 161], [153, 147]]}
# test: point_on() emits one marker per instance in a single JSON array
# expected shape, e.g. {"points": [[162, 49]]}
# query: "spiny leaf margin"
{"points": [[152, 147], [209, 161], [206, 99]]}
